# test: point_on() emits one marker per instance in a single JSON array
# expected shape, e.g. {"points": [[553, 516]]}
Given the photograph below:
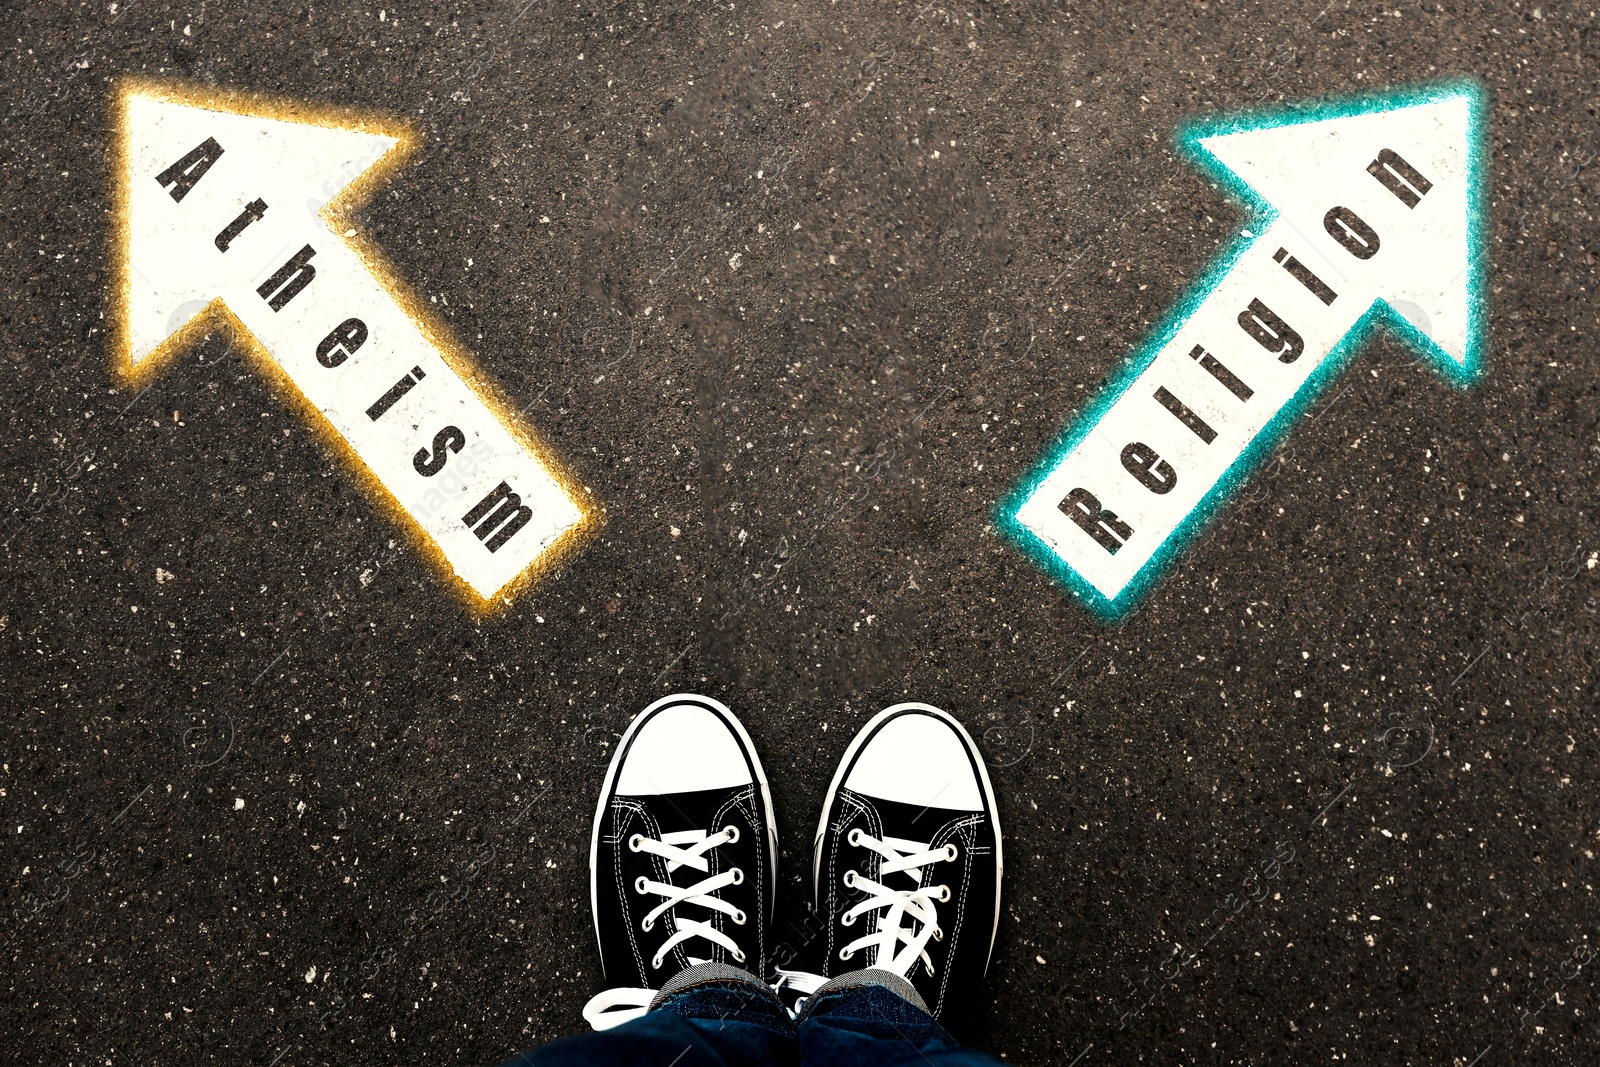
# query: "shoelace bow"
{"points": [[897, 947], [612, 1007]]}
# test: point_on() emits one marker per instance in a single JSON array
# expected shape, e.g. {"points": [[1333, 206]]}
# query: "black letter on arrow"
{"points": [[342, 342], [396, 391], [1181, 411], [183, 174], [1303, 275], [1148, 468], [508, 508], [1352, 232], [450, 438], [1399, 177], [1271, 332], [292, 277], [1083, 508], [252, 211], [1221, 373]]}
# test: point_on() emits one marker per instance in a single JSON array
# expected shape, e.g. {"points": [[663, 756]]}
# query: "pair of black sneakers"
{"points": [[683, 865]]}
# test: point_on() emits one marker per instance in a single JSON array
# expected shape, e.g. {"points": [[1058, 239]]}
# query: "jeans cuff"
{"points": [[710, 971], [865, 977]]}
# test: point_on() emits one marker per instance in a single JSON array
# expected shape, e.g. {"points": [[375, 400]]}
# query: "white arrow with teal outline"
{"points": [[1366, 210]]}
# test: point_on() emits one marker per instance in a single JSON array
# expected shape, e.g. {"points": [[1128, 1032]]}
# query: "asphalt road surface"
{"points": [[799, 291]]}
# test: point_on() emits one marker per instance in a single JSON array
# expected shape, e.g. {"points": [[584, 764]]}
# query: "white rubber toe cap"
{"points": [[918, 757], [682, 748]]}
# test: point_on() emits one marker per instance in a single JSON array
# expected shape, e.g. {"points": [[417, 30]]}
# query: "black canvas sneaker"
{"points": [[907, 864], [683, 864]]}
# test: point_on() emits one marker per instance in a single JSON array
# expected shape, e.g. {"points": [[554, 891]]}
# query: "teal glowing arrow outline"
{"points": [[1187, 140]]}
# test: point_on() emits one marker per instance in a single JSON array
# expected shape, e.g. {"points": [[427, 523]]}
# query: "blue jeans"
{"points": [[735, 1022]]}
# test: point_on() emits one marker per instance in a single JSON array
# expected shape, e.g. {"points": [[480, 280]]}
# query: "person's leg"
{"points": [[907, 875], [711, 1015], [683, 868], [875, 1018]]}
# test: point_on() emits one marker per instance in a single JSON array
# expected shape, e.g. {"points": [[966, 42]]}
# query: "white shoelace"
{"points": [[612, 1007], [907, 917], [899, 856], [803, 982]]}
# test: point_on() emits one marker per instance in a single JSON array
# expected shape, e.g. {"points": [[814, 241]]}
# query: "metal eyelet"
{"points": [[854, 837], [844, 954], [738, 875], [945, 894], [850, 879], [647, 925], [634, 842], [950, 851], [738, 957], [938, 934], [733, 834], [655, 963], [847, 919], [638, 885], [739, 918]]}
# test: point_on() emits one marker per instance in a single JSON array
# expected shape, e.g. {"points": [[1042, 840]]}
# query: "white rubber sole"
{"points": [[848, 758], [737, 727]]}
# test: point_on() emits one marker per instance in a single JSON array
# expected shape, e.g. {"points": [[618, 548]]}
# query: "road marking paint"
{"points": [[231, 207], [1367, 210]]}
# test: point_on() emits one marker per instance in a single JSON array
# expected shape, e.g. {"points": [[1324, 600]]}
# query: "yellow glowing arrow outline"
{"points": [[217, 315]]}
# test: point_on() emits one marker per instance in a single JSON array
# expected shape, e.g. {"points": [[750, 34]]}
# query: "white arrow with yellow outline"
{"points": [[228, 205]]}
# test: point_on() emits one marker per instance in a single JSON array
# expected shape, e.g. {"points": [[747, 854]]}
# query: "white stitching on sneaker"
{"points": [[634, 810], [968, 852], [858, 809], [747, 804]]}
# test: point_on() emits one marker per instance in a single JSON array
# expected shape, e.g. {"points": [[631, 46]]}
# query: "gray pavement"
{"points": [[800, 291]]}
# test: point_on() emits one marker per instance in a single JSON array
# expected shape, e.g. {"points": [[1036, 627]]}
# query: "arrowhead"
{"points": [[293, 159], [1429, 269]]}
